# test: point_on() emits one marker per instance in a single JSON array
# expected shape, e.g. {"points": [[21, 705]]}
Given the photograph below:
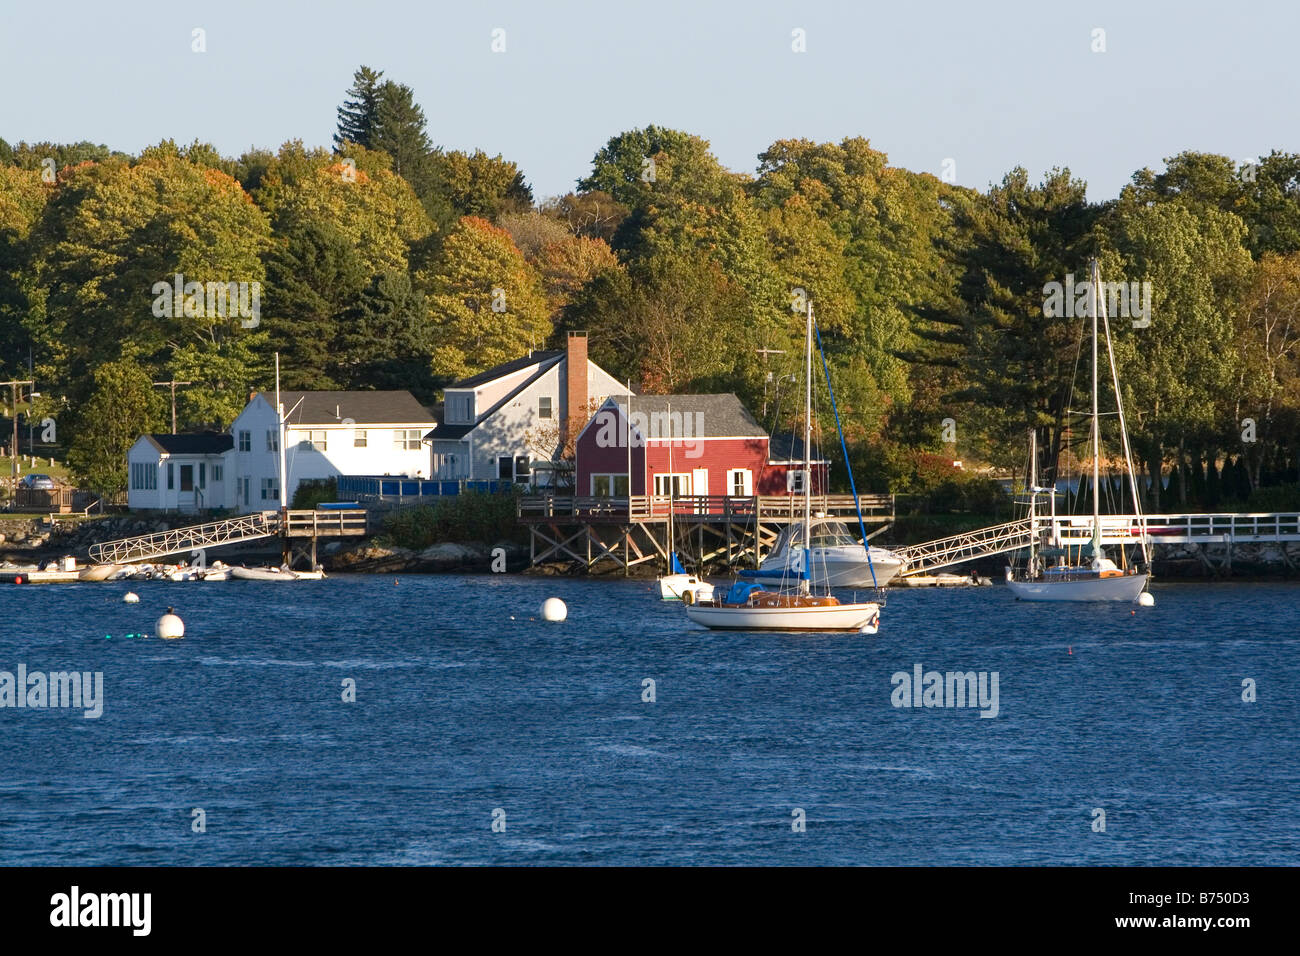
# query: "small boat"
{"points": [[749, 607], [275, 574], [839, 559], [99, 572], [677, 585], [1084, 573]]}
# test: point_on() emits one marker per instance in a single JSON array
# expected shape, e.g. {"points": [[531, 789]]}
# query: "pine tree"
{"points": [[359, 114]]}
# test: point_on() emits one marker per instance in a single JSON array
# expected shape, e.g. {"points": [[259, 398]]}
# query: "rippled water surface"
{"points": [[466, 703]]}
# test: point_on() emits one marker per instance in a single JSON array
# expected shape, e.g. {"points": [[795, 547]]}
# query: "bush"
{"points": [[460, 518], [312, 491]]}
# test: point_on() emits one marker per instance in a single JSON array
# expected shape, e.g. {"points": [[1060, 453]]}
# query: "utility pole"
{"points": [[14, 385], [766, 374], [173, 383]]}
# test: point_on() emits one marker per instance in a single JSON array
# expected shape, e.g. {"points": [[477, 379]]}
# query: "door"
{"points": [[700, 488], [186, 500]]}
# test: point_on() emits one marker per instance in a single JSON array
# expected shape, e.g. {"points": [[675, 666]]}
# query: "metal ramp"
{"points": [[147, 547], [933, 555]]}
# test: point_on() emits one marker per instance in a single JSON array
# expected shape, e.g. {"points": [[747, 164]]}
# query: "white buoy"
{"points": [[130, 597], [1146, 600], [553, 609], [169, 626]]}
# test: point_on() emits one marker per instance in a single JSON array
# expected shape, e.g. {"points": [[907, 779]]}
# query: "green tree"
{"points": [[358, 117], [122, 406], [485, 301]]}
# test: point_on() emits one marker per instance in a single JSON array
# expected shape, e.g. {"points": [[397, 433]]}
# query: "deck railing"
{"points": [[720, 507]]}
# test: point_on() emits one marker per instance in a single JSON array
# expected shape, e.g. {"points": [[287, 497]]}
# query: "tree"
{"points": [[358, 117], [123, 406], [485, 301]]}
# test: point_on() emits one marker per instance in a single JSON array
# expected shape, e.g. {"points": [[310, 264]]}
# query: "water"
{"points": [[463, 709]]}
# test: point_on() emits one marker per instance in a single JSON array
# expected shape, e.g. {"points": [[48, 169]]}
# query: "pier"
{"points": [[632, 530]]}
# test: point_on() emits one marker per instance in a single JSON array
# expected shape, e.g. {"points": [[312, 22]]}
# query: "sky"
{"points": [[972, 89]]}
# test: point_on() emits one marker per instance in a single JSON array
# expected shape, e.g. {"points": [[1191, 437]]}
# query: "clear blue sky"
{"points": [[990, 85]]}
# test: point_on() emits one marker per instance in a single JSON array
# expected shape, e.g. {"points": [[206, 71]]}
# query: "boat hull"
{"points": [[835, 571], [859, 618], [671, 587], [1125, 587]]}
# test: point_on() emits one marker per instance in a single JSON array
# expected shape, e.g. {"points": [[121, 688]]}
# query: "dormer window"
{"points": [[544, 407], [460, 408]]}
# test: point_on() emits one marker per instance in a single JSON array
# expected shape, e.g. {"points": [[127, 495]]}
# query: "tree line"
{"points": [[385, 261]]}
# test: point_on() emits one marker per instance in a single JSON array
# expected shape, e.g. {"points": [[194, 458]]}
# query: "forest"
{"points": [[386, 261]]}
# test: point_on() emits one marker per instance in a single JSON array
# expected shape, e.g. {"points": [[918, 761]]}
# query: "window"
{"points": [[794, 481], [171, 476], [245, 440], [521, 468], [603, 486], [316, 439], [243, 491], [459, 409], [216, 472], [676, 485], [406, 439], [544, 409], [359, 438], [740, 481], [505, 467], [270, 489], [272, 439], [144, 476], [187, 477]]}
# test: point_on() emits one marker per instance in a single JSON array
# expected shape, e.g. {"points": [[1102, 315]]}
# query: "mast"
{"points": [[279, 425], [1096, 422], [672, 486], [1033, 497], [807, 454]]}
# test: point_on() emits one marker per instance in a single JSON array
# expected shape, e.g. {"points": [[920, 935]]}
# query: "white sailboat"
{"points": [[1049, 574], [677, 584], [747, 606]]}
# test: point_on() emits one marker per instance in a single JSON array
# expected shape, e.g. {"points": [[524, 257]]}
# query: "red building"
{"points": [[689, 445]]}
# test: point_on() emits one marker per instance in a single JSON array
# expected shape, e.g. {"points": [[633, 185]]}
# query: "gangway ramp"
{"points": [[147, 547], [931, 555]]}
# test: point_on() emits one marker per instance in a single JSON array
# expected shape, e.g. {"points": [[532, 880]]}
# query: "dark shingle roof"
{"points": [[203, 443], [518, 365], [364, 408], [790, 448], [713, 416]]}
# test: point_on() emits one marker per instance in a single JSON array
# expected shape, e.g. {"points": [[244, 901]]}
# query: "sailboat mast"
{"points": [[807, 451], [1096, 429], [1033, 496]]}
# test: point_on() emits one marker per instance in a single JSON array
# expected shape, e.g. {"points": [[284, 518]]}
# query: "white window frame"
{"points": [[549, 407], [683, 484], [613, 479], [270, 489], [360, 438], [403, 440], [747, 485], [794, 479], [273, 439], [312, 439], [245, 440]]}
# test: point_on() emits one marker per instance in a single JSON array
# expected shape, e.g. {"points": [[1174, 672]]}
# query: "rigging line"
{"points": [[845, 448], [1123, 431]]}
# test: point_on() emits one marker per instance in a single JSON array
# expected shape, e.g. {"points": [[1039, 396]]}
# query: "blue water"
{"points": [[467, 703]]}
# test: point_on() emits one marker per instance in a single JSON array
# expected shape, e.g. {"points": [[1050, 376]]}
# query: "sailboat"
{"points": [[1050, 573], [748, 606], [676, 585]]}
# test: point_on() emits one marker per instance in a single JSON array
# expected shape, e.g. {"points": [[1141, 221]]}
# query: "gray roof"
{"points": [[202, 443], [364, 408], [506, 368], [713, 416]]}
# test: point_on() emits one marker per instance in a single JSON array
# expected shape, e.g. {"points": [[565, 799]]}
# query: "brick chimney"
{"points": [[575, 386]]}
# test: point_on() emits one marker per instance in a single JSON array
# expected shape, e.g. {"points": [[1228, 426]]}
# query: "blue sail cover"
{"points": [[677, 565], [740, 592]]}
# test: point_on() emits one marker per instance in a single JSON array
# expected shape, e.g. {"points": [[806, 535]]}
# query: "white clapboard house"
{"points": [[511, 422], [327, 435]]}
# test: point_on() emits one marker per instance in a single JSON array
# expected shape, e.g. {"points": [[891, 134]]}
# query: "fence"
{"points": [[384, 488]]}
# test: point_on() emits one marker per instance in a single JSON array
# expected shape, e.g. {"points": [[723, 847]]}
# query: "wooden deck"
{"points": [[633, 530]]}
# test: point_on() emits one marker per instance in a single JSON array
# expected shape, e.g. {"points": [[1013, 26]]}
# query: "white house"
{"points": [[179, 472], [327, 435], [511, 422]]}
